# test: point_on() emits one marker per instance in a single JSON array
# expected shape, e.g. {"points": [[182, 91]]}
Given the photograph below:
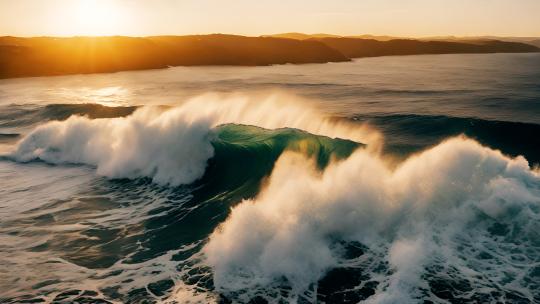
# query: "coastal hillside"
{"points": [[48, 56], [44, 56]]}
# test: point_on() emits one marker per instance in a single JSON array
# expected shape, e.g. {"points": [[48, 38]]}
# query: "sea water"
{"points": [[405, 179]]}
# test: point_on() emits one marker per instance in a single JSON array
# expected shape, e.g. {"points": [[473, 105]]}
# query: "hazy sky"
{"points": [[255, 17]]}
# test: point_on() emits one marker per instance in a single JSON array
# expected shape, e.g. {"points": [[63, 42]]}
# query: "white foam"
{"points": [[169, 147], [411, 213]]}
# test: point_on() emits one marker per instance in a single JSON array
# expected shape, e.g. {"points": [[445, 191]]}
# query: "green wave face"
{"points": [[244, 155], [274, 142]]}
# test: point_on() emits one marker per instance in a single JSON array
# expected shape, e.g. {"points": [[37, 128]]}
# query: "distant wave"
{"points": [[8, 136], [15, 115], [408, 133]]}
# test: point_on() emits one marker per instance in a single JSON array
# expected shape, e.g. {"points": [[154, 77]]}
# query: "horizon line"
{"points": [[275, 34]]}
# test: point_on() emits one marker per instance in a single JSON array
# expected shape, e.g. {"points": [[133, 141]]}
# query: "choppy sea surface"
{"points": [[407, 179]]}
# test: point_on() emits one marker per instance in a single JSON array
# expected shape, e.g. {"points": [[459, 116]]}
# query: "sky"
{"points": [[412, 18]]}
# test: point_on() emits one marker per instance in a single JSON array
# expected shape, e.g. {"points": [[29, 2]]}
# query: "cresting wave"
{"points": [[171, 146], [332, 222]]}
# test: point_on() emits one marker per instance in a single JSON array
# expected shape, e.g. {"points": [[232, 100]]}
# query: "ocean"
{"points": [[400, 179]]}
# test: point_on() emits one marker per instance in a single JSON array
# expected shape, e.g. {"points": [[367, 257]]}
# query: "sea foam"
{"points": [[439, 209], [413, 217]]}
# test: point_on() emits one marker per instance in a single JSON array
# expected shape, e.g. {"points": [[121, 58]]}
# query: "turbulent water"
{"points": [[407, 179]]}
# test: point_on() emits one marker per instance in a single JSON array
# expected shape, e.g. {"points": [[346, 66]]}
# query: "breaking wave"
{"points": [[172, 145], [287, 205], [457, 222]]}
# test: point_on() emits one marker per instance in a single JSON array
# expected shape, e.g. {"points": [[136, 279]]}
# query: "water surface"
{"points": [[123, 205]]}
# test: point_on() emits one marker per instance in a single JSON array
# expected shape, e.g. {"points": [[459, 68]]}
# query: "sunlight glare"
{"points": [[98, 17]]}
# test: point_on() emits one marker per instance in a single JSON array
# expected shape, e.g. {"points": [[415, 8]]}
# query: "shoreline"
{"points": [[252, 66]]}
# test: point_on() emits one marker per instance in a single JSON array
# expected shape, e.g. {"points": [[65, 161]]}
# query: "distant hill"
{"points": [[44, 56], [301, 36], [374, 37], [356, 48], [528, 40], [534, 42]]}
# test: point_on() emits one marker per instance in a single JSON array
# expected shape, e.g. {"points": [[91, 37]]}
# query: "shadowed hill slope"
{"points": [[535, 43], [240, 50], [45, 56]]}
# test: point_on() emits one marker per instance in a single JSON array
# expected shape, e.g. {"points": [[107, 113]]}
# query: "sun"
{"points": [[98, 17]]}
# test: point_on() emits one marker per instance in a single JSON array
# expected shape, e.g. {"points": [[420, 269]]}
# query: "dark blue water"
{"points": [[389, 180]]}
